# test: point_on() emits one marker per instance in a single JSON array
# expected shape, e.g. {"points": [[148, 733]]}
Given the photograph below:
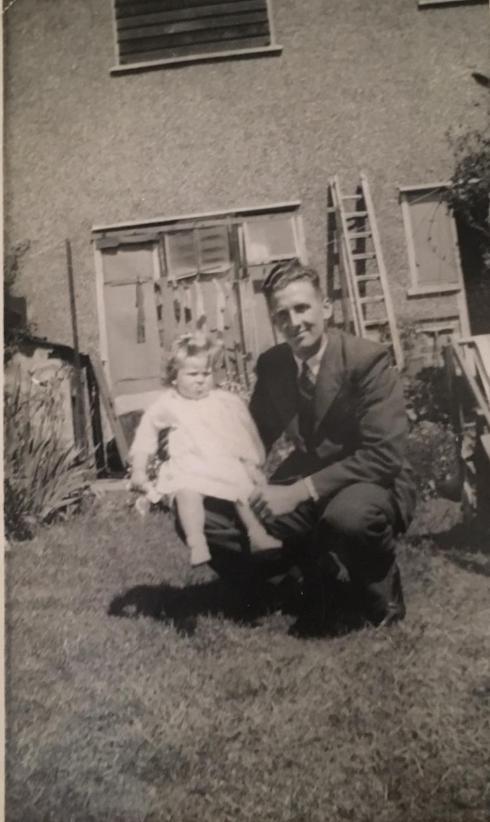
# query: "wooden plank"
{"points": [[485, 443], [95, 418], [105, 393], [78, 405], [166, 222], [482, 361], [422, 4], [434, 290], [461, 297], [452, 389], [245, 50], [218, 36], [179, 14], [428, 187], [198, 52], [407, 224], [472, 384]]}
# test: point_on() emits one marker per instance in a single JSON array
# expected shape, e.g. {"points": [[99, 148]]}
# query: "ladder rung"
{"points": [[379, 298], [350, 215], [373, 323], [365, 256], [351, 196], [357, 235], [366, 278]]}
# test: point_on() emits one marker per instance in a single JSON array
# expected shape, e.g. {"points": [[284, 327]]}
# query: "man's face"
{"points": [[299, 312]]}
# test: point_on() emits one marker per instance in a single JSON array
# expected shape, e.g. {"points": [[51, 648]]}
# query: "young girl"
{"points": [[214, 447]]}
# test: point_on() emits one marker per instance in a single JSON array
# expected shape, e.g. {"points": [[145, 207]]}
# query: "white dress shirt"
{"points": [[313, 363]]}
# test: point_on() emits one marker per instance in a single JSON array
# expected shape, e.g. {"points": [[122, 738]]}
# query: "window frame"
{"points": [[416, 289], [146, 231], [273, 49]]}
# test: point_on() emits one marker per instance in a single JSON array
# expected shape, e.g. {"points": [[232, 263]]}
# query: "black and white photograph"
{"points": [[246, 410]]}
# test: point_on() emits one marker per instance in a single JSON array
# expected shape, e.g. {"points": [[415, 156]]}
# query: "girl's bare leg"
{"points": [[260, 540], [190, 506]]}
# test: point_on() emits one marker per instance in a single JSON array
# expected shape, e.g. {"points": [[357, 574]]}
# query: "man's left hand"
{"points": [[271, 501]]}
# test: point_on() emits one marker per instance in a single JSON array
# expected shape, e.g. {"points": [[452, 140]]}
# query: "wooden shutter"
{"points": [[431, 234], [162, 29], [435, 268], [199, 250]]}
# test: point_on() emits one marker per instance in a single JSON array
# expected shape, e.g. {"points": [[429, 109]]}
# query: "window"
{"points": [[164, 277], [434, 262], [164, 32], [430, 230]]}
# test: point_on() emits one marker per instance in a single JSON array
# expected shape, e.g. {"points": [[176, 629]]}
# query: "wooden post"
{"points": [[79, 409], [97, 431]]}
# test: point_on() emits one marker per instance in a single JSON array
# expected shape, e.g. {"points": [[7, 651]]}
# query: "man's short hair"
{"points": [[286, 272]]}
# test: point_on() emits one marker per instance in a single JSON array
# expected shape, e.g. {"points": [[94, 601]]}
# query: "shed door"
{"points": [[133, 348]]}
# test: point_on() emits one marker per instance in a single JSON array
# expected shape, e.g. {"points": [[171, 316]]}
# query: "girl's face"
{"points": [[195, 377]]}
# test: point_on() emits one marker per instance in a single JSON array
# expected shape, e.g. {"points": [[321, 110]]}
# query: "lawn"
{"points": [[136, 694]]}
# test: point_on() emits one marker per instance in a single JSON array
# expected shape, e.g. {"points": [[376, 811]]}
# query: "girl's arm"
{"points": [[145, 441]]}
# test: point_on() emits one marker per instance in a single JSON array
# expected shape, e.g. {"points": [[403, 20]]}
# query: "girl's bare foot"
{"points": [[260, 540], [199, 551]]}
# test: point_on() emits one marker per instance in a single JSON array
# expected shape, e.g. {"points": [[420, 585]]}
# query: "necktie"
{"points": [[306, 386], [306, 382]]}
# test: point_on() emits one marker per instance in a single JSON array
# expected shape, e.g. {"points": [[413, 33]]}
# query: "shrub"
{"points": [[469, 193], [45, 476]]}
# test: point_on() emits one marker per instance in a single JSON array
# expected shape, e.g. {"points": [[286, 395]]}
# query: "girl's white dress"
{"points": [[214, 447]]}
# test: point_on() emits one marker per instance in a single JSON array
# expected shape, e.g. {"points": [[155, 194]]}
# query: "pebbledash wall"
{"points": [[360, 84]]}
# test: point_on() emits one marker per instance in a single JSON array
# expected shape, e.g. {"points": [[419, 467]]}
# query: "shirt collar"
{"points": [[314, 361]]}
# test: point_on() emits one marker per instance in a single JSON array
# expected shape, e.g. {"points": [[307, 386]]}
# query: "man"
{"points": [[338, 500]]}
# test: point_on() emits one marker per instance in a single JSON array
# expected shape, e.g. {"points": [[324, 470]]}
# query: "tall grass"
{"points": [[45, 476]]}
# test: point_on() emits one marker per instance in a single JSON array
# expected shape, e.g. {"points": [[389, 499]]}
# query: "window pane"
{"points": [[270, 239], [181, 252], [214, 249], [435, 251], [162, 29]]}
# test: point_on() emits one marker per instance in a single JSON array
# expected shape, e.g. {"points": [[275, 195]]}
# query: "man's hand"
{"points": [[271, 501]]}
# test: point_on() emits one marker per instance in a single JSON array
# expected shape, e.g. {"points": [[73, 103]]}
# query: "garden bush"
{"points": [[45, 475]]}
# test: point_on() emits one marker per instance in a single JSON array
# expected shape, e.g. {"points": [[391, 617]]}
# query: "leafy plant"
{"points": [[45, 476], [469, 193]]}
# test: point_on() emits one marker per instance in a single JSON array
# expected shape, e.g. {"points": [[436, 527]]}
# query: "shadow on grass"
{"points": [[182, 606]]}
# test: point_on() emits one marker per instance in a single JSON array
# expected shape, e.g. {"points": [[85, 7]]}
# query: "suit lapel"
{"points": [[329, 378], [285, 392]]}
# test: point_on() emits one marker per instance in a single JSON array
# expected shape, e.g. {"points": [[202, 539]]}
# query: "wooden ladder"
{"points": [[364, 285]]}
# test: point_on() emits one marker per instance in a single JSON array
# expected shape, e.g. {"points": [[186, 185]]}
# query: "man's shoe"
{"points": [[313, 615], [385, 604]]}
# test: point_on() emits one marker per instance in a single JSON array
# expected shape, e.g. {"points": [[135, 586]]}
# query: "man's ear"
{"points": [[327, 308]]}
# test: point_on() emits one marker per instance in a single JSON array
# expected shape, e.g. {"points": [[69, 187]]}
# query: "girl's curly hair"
{"points": [[191, 344]]}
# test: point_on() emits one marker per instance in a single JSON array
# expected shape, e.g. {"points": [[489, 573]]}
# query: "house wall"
{"points": [[359, 85]]}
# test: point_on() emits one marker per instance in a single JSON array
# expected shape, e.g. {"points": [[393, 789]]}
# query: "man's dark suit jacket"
{"points": [[360, 424]]}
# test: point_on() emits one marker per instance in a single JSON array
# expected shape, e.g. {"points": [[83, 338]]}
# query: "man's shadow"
{"points": [[182, 606]]}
